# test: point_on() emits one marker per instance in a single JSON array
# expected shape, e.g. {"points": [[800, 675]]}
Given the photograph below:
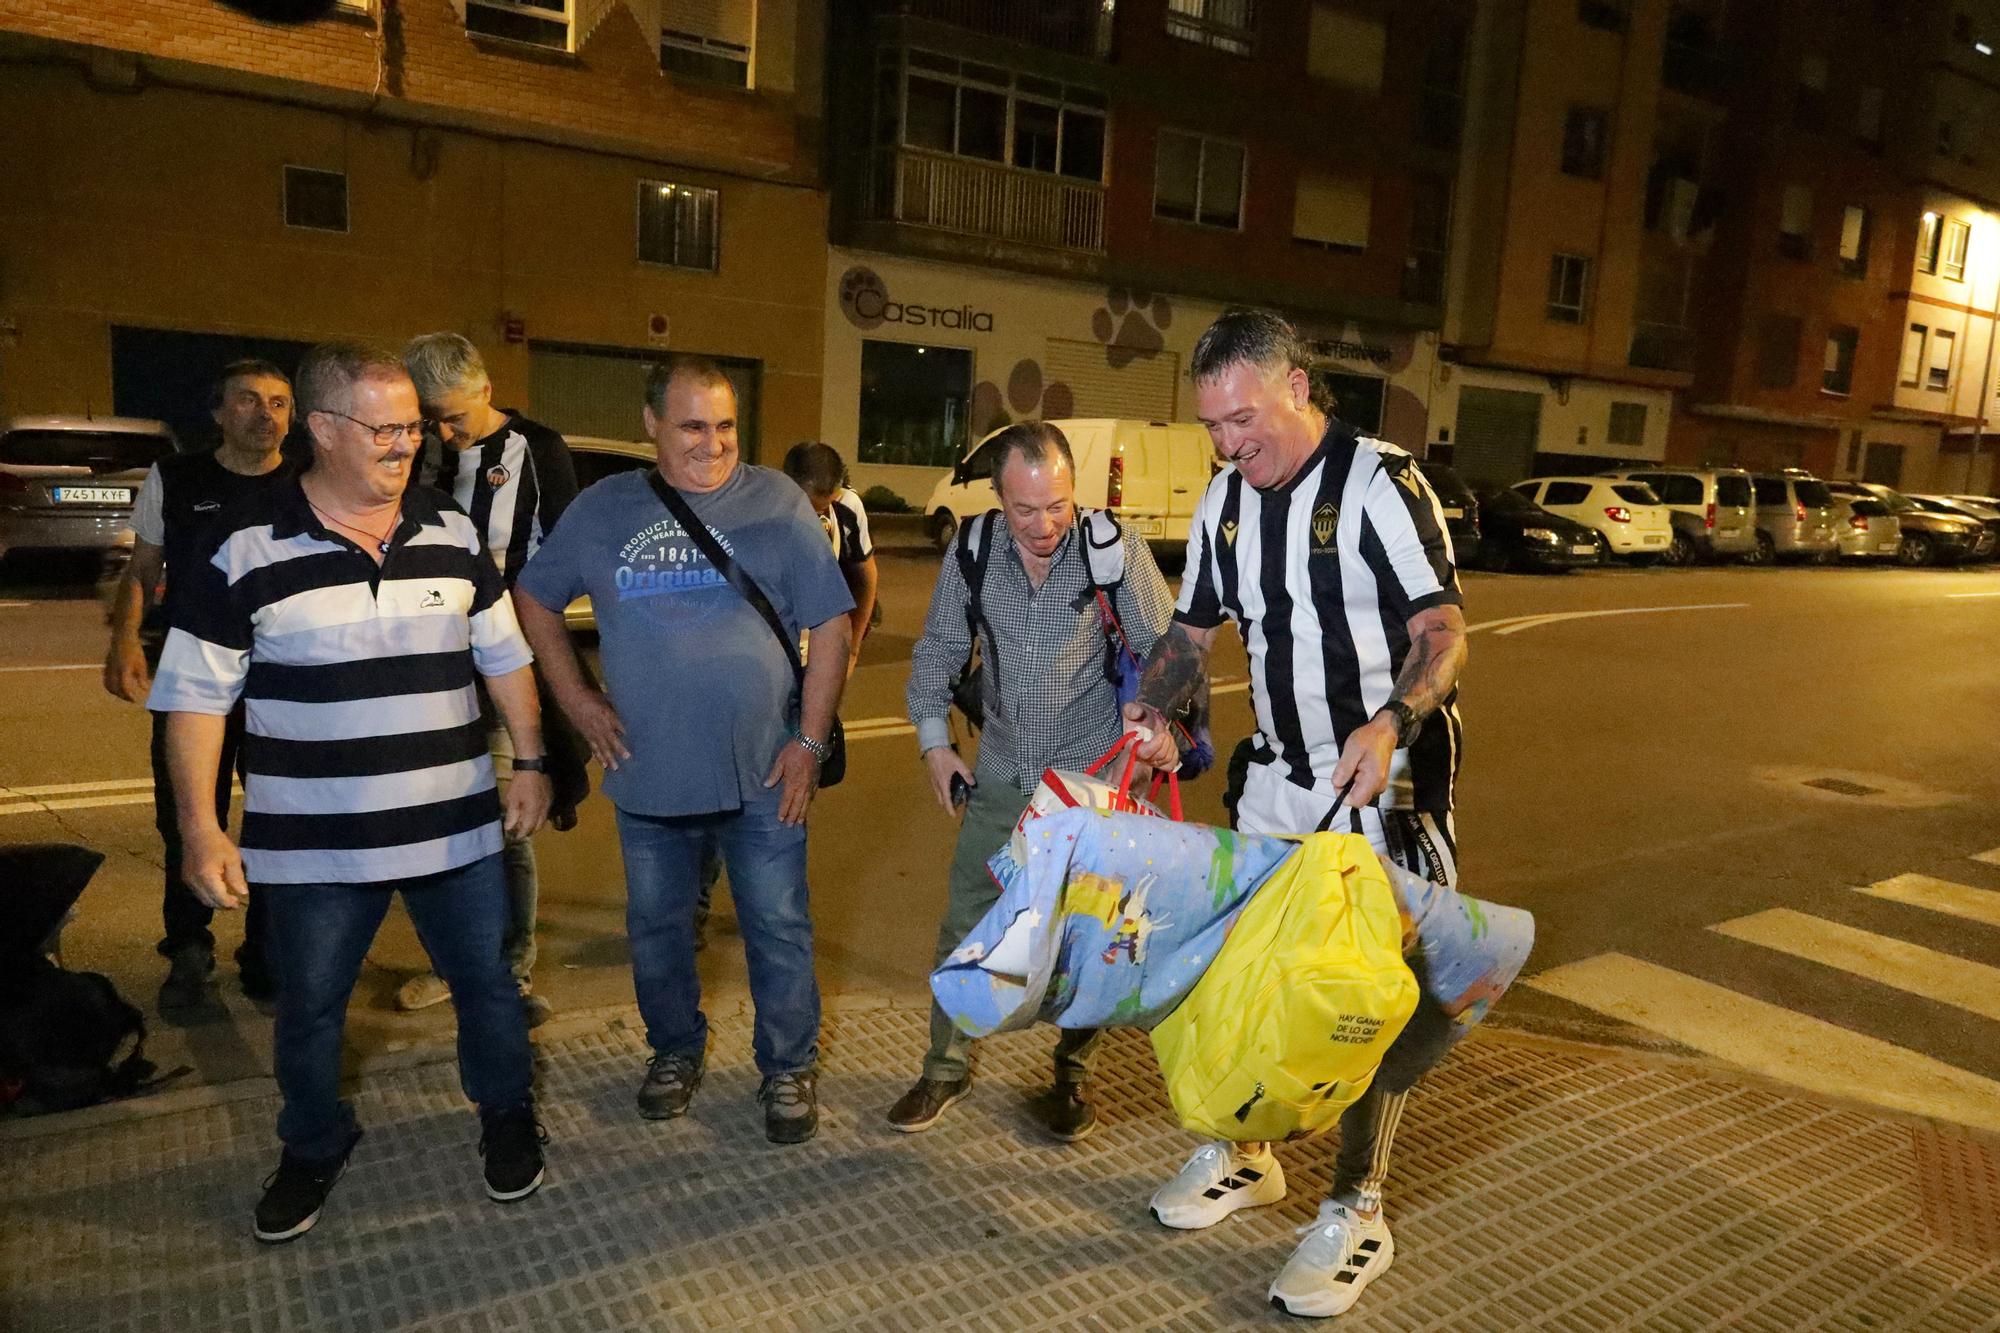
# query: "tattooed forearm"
{"points": [[1436, 657], [1173, 671]]}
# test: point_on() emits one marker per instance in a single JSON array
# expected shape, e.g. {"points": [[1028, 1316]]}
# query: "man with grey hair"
{"points": [[351, 613], [1328, 550], [513, 477], [1025, 585]]}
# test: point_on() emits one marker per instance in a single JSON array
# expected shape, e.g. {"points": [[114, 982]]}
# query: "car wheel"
{"points": [[944, 530], [1765, 552], [1917, 549], [1681, 550]]}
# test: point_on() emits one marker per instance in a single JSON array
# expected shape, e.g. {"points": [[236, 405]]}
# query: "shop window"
{"points": [[315, 200], [1357, 399], [915, 400], [679, 225]]}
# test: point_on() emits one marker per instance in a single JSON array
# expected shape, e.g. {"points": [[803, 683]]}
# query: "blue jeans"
{"points": [[767, 879], [319, 934]]}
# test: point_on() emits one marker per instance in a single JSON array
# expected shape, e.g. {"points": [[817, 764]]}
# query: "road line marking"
{"points": [[1949, 594], [1535, 622], [1504, 620], [73, 788], [66, 666], [1939, 895], [1773, 1041], [873, 728], [9, 606], [1991, 858], [1943, 977]]}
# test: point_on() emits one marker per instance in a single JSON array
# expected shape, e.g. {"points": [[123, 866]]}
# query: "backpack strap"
{"points": [[1103, 549], [974, 548]]}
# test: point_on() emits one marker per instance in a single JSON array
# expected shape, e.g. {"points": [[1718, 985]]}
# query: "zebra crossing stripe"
{"points": [[1775, 1042], [1991, 858], [1939, 895], [1892, 962]]}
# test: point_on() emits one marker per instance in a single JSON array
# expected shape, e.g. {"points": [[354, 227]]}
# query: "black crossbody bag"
{"points": [[834, 767]]}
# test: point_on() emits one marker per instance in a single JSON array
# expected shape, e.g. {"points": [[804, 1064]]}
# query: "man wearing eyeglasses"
{"points": [[351, 613], [514, 478]]}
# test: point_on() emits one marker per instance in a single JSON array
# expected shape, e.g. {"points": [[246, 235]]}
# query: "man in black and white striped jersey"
{"points": [[514, 478], [351, 613], [1328, 551]]}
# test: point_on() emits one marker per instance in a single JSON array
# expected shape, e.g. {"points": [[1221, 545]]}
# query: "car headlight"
{"points": [[1538, 534]]}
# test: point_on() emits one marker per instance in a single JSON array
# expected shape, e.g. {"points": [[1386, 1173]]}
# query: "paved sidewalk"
{"points": [[1537, 1185]]}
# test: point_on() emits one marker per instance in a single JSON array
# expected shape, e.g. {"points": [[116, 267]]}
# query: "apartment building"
{"points": [[1037, 206], [576, 185]]}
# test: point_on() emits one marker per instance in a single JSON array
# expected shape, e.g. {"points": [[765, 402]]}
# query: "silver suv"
{"points": [[1794, 517], [1714, 510], [67, 483]]}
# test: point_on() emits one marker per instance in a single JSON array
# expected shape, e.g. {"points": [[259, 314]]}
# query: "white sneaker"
{"points": [[1341, 1254], [1218, 1179]]}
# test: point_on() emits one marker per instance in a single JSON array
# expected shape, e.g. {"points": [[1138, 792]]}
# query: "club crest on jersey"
{"points": [[1229, 533], [1407, 479], [496, 476], [1325, 519]]}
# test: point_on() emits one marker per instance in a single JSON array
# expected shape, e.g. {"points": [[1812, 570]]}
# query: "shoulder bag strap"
{"points": [[740, 580]]}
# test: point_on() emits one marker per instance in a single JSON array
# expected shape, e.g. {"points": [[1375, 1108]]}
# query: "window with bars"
{"points": [[1569, 288], [1226, 25], [315, 200], [1198, 179], [679, 225], [545, 23]]}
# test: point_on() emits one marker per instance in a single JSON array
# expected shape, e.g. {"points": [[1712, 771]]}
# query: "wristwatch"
{"points": [[1408, 724], [821, 751], [539, 764]]}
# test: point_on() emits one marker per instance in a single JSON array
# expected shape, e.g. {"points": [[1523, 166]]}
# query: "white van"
{"points": [[1151, 474]]}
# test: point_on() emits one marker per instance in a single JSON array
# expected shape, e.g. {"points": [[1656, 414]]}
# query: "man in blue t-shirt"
{"points": [[706, 733]]}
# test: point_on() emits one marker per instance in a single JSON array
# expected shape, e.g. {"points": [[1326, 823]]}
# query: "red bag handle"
{"points": [[1129, 743]]}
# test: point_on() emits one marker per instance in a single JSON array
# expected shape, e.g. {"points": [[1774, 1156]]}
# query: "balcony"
{"points": [[1662, 347], [1075, 27], [957, 194]]}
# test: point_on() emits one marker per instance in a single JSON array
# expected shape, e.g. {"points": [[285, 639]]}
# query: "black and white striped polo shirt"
{"points": [[367, 760], [1321, 576]]}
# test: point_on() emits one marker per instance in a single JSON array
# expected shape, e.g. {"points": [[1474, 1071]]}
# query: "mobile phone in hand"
{"points": [[961, 790]]}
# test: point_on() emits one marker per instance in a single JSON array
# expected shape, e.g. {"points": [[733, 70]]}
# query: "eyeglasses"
{"points": [[386, 433]]}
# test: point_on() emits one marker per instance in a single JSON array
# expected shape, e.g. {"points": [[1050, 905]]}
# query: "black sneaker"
{"points": [[511, 1142], [1066, 1111], [258, 983], [188, 971], [295, 1193], [669, 1086], [928, 1098], [791, 1109]]}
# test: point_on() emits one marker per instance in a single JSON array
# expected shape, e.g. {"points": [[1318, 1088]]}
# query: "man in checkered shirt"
{"points": [[1048, 703]]}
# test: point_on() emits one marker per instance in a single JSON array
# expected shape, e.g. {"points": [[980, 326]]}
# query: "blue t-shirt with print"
{"points": [[700, 682]]}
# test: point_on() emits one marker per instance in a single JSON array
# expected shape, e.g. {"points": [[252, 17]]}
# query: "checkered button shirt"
{"points": [[1048, 705]]}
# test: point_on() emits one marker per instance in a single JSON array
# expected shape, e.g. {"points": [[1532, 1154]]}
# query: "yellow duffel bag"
{"points": [[1288, 1025]]}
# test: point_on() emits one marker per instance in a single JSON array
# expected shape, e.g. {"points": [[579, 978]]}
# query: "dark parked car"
{"points": [[1516, 533], [1930, 537], [1461, 512]]}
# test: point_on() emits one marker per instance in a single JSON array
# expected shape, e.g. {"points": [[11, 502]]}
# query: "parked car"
{"points": [[1461, 512], [1517, 534], [1627, 517], [1928, 537], [1151, 474], [595, 460], [68, 483], [1865, 528], [1988, 516], [1794, 517], [1714, 510]]}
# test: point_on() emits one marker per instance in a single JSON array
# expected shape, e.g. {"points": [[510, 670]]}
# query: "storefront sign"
{"points": [[865, 300], [1339, 349]]}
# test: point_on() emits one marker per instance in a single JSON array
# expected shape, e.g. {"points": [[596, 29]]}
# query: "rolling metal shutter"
{"points": [[1494, 440], [1144, 389]]}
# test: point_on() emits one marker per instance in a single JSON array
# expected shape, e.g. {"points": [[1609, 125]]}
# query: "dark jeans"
{"points": [[767, 879], [319, 935], [186, 918]]}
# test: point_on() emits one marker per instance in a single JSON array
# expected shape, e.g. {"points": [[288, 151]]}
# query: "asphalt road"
{"points": [[1640, 749]]}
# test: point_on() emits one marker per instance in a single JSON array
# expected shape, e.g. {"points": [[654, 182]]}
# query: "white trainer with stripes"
{"points": [[1216, 1180], [1342, 1253]]}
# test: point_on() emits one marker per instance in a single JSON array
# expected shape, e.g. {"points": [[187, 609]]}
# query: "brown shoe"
{"points": [[919, 1108], [1066, 1111]]}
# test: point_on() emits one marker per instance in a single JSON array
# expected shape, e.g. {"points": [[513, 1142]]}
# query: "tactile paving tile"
{"points": [[1533, 1188]]}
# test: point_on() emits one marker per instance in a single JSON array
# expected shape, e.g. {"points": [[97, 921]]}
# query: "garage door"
{"points": [[1142, 389], [598, 391], [167, 374], [1493, 443]]}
